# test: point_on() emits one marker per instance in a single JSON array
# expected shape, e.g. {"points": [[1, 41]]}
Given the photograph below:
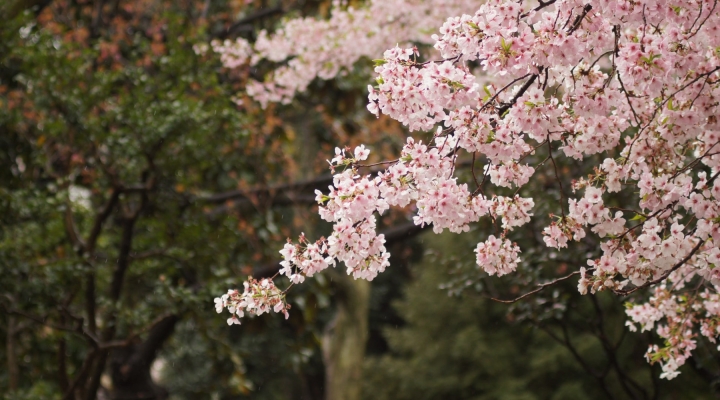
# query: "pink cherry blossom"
{"points": [[631, 87]]}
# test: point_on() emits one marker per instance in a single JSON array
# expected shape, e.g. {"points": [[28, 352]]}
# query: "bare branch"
{"points": [[100, 220], [78, 329], [245, 24], [540, 288], [321, 182]]}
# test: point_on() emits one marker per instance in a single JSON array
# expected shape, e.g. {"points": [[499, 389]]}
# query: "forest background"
{"points": [[133, 190]]}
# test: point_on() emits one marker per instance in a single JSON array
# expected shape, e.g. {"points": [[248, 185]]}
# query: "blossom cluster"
{"points": [[312, 48], [674, 316], [257, 298], [635, 85]]}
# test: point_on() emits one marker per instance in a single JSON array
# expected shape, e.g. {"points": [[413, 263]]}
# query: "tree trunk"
{"points": [[345, 338], [12, 365], [130, 366]]}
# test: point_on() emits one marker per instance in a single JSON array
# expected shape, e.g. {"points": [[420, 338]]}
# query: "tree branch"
{"points": [[245, 23], [321, 182], [123, 258], [520, 92], [100, 219], [159, 333], [84, 369], [540, 287], [78, 329]]}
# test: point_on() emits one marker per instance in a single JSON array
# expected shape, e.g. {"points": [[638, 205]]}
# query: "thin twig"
{"points": [[540, 287]]}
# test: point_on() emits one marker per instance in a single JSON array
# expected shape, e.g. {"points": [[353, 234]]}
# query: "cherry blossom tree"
{"points": [[633, 85]]}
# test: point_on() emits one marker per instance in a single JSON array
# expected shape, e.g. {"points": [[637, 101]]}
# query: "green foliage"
{"points": [[80, 123], [39, 391]]}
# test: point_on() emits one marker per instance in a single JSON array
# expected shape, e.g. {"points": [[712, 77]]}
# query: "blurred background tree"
{"points": [[133, 190], [116, 136]]}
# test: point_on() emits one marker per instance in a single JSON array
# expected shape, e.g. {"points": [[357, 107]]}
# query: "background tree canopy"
{"points": [[133, 189]]}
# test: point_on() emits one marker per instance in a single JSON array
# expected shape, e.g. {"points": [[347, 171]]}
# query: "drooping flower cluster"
{"points": [[497, 256], [674, 317], [634, 84], [324, 48], [257, 298]]}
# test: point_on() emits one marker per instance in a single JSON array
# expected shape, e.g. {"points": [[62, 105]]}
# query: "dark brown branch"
{"points": [[93, 383], [610, 350], [90, 305], [245, 24], [63, 376], [542, 4], [63, 379], [88, 247], [557, 177], [472, 169], [77, 329], [100, 219], [627, 96], [80, 376], [403, 232], [281, 200], [565, 341], [159, 333], [321, 182], [97, 365], [97, 17], [540, 287], [520, 92], [10, 352], [129, 218], [123, 258], [578, 21], [126, 238], [703, 22], [492, 99], [130, 365]]}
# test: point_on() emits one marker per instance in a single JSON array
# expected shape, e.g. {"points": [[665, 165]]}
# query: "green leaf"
{"points": [[638, 217]]}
